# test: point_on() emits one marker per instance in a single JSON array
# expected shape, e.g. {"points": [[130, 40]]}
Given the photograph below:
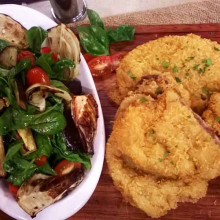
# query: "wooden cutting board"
{"points": [[107, 203]]}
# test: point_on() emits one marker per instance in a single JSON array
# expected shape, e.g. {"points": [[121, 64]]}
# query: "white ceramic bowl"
{"points": [[77, 198]]}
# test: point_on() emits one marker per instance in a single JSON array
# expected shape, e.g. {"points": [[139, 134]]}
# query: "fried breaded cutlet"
{"points": [[165, 137], [212, 113], [152, 195], [193, 62]]}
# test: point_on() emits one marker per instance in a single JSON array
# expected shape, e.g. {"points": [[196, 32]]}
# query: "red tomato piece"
{"points": [[65, 167], [88, 57], [40, 161], [54, 57], [13, 189], [45, 50], [37, 75], [100, 66], [116, 59], [26, 55]]}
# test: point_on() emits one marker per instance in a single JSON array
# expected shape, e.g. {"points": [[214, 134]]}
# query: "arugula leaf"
{"points": [[95, 19], [94, 40], [3, 44], [35, 37], [121, 33], [60, 148], [59, 85]]}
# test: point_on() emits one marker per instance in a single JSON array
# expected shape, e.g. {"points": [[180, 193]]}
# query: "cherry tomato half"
{"points": [[100, 66], [40, 161], [45, 50], [88, 57], [116, 59], [26, 55], [13, 189], [37, 75], [65, 167]]}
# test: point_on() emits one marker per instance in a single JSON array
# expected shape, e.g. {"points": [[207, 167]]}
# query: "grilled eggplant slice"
{"points": [[65, 44], [13, 32], [2, 157], [84, 110], [8, 57], [37, 93], [40, 191]]}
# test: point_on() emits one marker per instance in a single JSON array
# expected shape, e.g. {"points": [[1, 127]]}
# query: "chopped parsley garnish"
{"points": [[175, 69], [178, 79], [158, 91], [165, 64], [190, 159], [132, 75], [142, 99], [208, 62], [196, 67], [189, 58], [172, 162], [216, 48], [189, 116], [160, 160], [151, 132], [207, 91], [166, 154], [187, 74], [217, 118]]}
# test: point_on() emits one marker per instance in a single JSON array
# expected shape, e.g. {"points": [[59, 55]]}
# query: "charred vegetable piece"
{"points": [[4, 103], [28, 139], [37, 93], [84, 112], [13, 32], [8, 57], [65, 44], [40, 190], [2, 157]]}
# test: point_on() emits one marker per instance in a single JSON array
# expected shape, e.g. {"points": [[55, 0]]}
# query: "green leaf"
{"points": [[175, 69], [60, 148], [23, 65], [217, 118], [35, 37], [142, 99], [216, 48], [59, 85], [46, 169], [45, 62], [3, 44], [95, 19], [4, 72], [166, 154], [132, 76], [195, 67], [121, 33], [94, 40], [43, 147], [158, 91], [178, 79]]}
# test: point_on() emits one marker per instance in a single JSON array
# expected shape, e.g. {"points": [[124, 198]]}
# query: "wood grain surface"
{"points": [[107, 203]]}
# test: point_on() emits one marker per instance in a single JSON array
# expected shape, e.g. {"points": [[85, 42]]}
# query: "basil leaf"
{"points": [[4, 72], [59, 85], [94, 40], [60, 148], [35, 37], [49, 124], [95, 19], [23, 65], [121, 33], [62, 64], [3, 44], [43, 147]]}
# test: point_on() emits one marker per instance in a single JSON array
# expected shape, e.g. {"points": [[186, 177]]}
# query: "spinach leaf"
{"points": [[46, 169], [35, 37], [94, 40], [43, 147], [95, 19], [47, 123], [3, 44], [23, 65], [121, 33], [45, 61], [61, 65], [4, 72], [60, 148], [59, 85]]}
